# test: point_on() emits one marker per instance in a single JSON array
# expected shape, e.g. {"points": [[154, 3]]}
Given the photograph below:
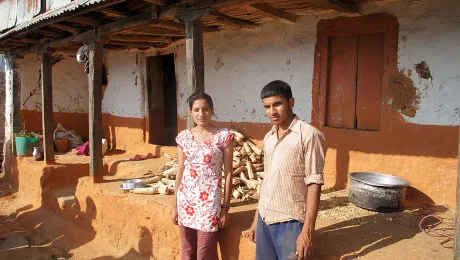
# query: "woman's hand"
{"points": [[224, 218], [174, 215]]}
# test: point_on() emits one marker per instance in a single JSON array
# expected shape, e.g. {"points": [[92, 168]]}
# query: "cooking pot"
{"points": [[377, 192]]}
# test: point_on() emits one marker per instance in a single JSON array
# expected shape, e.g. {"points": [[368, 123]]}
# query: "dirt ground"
{"points": [[344, 231], [364, 236]]}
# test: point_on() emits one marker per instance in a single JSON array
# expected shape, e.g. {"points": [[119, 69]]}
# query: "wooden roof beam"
{"points": [[139, 38], [155, 2], [155, 31], [270, 12], [225, 20], [85, 20], [112, 12], [169, 25], [65, 16], [68, 28], [24, 40], [134, 5], [226, 3], [48, 33], [338, 5]]}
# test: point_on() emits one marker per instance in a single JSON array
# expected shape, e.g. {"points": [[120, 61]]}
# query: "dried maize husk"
{"points": [[151, 190], [153, 179], [239, 170], [236, 194], [254, 147], [250, 172], [170, 172]]}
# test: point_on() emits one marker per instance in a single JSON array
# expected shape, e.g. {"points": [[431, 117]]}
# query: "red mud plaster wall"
{"points": [[122, 132], [426, 155], [71, 121]]}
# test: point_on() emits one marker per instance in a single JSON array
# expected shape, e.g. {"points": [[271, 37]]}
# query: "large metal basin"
{"points": [[377, 192]]}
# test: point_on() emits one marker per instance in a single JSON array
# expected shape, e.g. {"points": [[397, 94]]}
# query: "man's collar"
{"points": [[294, 126]]}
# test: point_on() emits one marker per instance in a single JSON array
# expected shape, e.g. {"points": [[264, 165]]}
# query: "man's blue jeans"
{"points": [[277, 241]]}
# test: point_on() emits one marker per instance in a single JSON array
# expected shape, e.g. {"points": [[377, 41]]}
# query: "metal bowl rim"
{"points": [[406, 182], [133, 181]]}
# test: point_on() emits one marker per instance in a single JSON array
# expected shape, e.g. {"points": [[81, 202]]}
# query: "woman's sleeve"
{"points": [[227, 137], [180, 140]]}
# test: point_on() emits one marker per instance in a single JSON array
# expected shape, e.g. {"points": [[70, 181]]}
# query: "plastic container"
{"points": [[24, 145]]}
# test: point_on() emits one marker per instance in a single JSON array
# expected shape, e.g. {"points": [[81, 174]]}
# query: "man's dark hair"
{"points": [[275, 88], [199, 95]]}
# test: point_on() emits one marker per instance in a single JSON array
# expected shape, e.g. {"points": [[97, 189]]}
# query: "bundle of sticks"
{"points": [[247, 168]]}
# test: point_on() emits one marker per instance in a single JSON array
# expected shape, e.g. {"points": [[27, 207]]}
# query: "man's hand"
{"points": [[304, 246], [251, 232]]}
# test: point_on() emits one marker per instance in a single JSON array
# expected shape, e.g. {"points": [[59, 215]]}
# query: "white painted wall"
{"points": [[124, 93], [250, 60], [430, 32], [70, 85]]}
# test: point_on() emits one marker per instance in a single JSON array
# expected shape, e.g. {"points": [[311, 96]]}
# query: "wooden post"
{"points": [[457, 210], [47, 107], [195, 59], [12, 108], [95, 109]]}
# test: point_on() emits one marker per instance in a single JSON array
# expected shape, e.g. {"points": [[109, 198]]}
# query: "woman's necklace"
{"points": [[201, 134]]}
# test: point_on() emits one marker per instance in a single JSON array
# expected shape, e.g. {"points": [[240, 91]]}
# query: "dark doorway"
{"points": [[162, 100]]}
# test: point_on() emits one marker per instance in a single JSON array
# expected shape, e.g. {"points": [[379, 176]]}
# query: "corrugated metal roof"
{"points": [[8, 10], [54, 4], [27, 10], [77, 4]]}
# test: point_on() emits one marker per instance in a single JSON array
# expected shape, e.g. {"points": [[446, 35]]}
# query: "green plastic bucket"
{"points": [[24, 145]]}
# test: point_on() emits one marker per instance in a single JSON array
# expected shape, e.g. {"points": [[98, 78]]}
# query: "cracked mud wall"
{"points": [[239, 63], [428, 37], [70, 94]]}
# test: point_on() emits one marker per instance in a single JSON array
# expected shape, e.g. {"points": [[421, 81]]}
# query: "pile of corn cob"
{"points": [[163, 180], [248, 171], [248, 167]]}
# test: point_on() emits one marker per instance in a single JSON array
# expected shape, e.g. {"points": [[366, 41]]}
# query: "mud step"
{"points": [[65, 197]]}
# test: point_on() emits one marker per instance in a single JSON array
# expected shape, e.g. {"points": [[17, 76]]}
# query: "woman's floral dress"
{"points": [[200, 192]]}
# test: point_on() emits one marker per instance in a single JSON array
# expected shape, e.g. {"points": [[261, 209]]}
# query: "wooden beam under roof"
{"points": [[68, 28], [139, 38], [48, 33], [338, 5], [154, 31], [267, 11], [168, 25], [226, 3], [156, 2], [66, 15], [109, 11], [225, 20], [85, 20], [136, 5], [24, 40], [108, 29]]}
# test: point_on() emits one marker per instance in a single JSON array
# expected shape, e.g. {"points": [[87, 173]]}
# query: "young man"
{"points": [[289, 196]]}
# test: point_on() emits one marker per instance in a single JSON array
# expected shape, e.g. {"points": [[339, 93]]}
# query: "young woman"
{"points": [[198, 209]]}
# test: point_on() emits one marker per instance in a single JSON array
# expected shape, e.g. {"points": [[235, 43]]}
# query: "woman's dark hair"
{"points": [[199, 95], [275, 88]]}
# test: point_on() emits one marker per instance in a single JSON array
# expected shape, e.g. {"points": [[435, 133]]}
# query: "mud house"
{"points": [[379, 78]]}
